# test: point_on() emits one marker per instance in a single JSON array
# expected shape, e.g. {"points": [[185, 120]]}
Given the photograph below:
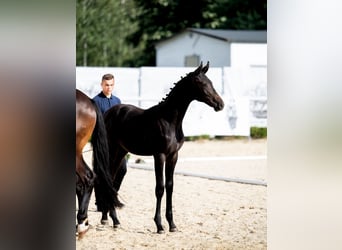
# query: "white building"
{"points": [[222, 48]]}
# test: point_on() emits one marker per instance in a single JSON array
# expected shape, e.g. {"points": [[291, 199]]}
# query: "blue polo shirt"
{"points": [[105, 103]]}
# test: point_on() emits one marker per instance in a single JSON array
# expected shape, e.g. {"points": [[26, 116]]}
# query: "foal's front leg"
{"points": [[159, 191], [169, 171]]}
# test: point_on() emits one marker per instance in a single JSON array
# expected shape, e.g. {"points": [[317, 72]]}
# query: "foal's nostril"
{"points": [[219, 106]]}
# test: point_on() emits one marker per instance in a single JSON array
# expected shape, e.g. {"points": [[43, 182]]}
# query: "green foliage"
{"points": [[257, 133], [102, 28], [237, 14], [197, 137], [230, 137], [124, 32], [163, 18]]}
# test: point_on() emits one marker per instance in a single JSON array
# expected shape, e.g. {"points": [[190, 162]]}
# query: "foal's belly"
{"points": [[148, 147], [147, 150]]}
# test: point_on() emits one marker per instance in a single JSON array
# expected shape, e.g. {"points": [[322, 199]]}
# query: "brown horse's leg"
{"points": [[159, 191], [81, 216], [84, 188], [169, 170]]}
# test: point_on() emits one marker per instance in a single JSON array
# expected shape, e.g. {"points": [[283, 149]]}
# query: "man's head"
{"points": [[107, 84]]}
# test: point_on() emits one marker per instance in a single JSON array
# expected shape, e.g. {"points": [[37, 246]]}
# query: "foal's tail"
{"points": [[105, 194]]}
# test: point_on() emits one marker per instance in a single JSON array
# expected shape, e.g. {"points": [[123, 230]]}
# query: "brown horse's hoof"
{"points": [[80, 235], [117, 225], [161, 231], [174, 229], [82, 228]]}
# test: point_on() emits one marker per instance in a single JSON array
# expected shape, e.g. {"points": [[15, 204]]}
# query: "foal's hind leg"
{"points": [[113, 215], [159, 191], [117, 184], [120, 175], [116, 162]]}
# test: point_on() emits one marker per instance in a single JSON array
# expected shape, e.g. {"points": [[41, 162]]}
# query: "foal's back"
{"points": [[141, 131]]}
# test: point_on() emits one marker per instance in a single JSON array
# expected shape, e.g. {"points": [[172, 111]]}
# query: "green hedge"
{"points": [[257, 133], [197, 137]]}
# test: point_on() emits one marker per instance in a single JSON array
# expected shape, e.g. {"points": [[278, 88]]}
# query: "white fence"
{"points": [[244, 91]]}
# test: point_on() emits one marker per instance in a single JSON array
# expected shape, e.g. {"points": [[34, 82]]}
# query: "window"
{"points": [[192, 61]]}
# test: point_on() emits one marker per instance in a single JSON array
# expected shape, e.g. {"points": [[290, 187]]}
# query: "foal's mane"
{"points": [[175, 85]]}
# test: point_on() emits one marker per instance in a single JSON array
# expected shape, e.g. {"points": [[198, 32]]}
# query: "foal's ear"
{"points": [[206, 67], [199, 69]]}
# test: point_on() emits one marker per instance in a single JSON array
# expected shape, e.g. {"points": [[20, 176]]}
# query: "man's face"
{"points": [[107, 87]]}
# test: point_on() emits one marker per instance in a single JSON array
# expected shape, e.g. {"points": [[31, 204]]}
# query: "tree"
{"points": [[102, 28], [124, 32], [160, 19], [237, 14]]}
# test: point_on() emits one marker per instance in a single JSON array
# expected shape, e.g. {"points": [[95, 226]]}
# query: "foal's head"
{"points": [[203, 89]]}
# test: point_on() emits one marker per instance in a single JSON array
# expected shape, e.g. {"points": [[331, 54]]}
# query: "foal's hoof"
{"points": [[117, 225], [160, 229], [173, 229], [104, 222]]}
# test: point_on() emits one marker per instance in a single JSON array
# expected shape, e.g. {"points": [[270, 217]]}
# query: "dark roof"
{"points": [[242, 36], [256, 36]]}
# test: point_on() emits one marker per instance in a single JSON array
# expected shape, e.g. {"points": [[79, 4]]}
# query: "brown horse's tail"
{"points": [[105, 194]]}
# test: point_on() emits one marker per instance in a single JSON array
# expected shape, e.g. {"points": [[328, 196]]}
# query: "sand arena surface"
{"points": [[209, 214]]}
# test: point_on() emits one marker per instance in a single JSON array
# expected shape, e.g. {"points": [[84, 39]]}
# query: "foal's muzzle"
{"points": [[219, 104]]}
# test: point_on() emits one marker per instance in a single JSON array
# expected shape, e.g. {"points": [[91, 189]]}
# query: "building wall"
{"points": [[248, 55], [173, 51]]}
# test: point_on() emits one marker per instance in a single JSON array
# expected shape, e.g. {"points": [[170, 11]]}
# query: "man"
{"points": [[105, 100]]}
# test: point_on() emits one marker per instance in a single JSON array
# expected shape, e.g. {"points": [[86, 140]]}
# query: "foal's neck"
{"points": [[177, 102]]}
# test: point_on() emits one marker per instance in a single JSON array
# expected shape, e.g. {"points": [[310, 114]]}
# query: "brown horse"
{"points": [[90, 124], [157, 131]]}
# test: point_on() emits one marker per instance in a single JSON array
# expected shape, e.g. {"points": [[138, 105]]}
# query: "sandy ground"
{"points": [[209, 214]]}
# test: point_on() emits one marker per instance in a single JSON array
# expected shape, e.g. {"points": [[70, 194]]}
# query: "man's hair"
{"points": [[107, 77]]}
